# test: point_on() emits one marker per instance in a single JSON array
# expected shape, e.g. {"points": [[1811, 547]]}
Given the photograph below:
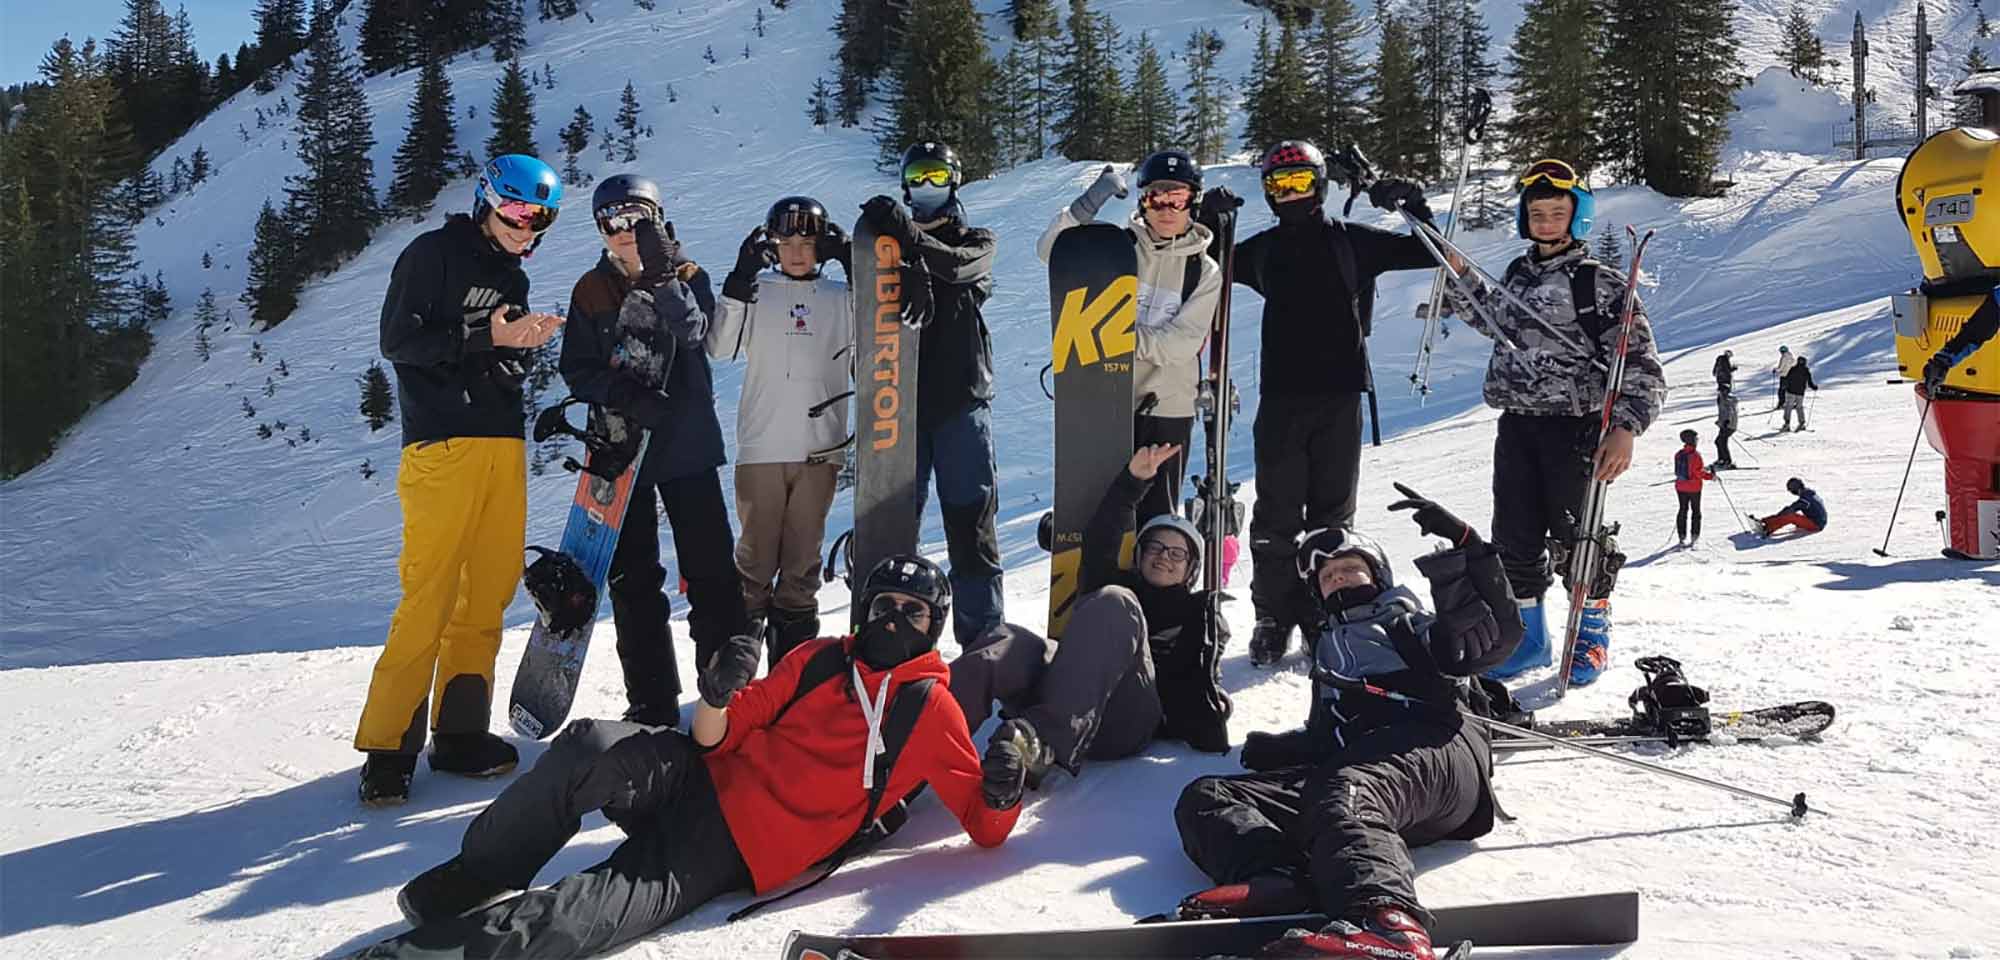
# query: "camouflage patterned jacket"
{"points": [[1552, 375]]}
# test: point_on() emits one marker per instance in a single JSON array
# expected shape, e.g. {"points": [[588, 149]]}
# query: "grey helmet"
{"points": [[1186, 529]]}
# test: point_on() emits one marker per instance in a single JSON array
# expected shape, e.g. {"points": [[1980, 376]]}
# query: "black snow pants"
{"points": [[705, 555], [677, 855], [1690, 507], [1091, 695], [1541, 467], [1348, 822], [1308, 453]]}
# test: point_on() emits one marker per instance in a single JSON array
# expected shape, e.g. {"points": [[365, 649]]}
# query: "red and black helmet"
{"points": [[1289, 155]]}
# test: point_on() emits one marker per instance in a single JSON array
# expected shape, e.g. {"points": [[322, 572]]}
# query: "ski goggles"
{"points": [[1167, 197], [616, 218], [521, 214], [1297, 180], [933, 172], [911, 609], [1555, 173], [799, 223]]}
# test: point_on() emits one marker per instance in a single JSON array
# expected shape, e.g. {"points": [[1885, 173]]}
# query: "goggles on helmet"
{"points": [[798, 223], [616, 218], [1555, 173], [934, 172], [1167, 195], [1292, 180], [520, 214]]}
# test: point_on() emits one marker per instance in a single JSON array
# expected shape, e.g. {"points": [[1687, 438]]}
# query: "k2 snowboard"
{"points": [[887, 500], [1094, 307]]}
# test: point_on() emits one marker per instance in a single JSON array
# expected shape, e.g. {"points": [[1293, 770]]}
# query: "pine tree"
{"points": [[1968, 112], [1040, 30], [155, 304], [1153, 108], [708, 54], [1401, 141], [332, 205], [1554, 72], [141, 192], [819, 104], [430, 144], [283, 370], [139, 56], [1800, 49], [272, 288], [1476, 68], [207, 262], [202, 347], [1434, 30], [1204, 123], [198, 169], [1672, 69], [869, 32], [281, 32], [1091, 109], [1258, 126], [256, 351], [505, 29], [386, 35], [628, 122], [1982, 28], [760, 21], [1610, 246], [513, 114], [223, 82], [575, 138], [1338, 76], [938, 86], [179, 178], [557, 9], [378, 401]]}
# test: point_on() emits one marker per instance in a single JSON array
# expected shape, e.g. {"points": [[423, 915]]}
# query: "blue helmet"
{"points": [[1548, 178], [517, 176]]}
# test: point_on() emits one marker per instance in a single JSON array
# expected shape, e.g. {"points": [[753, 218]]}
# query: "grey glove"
{"points": [[729, 669], [1108, 184], [680, 315]]}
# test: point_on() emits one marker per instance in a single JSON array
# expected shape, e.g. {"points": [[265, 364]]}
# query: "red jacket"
{"points": [[792, 792], [1689, 471]]}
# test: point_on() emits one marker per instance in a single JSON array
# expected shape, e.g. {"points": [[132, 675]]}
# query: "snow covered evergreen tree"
{"points": [[1091, 111], [1401, 141], [1800, 49], [386, 35], [1554, 73], [331, 206], [1151, 122], [1204, 130], [513, 114], [1338, 76], [575, 137], [628, 123], [1672, 71], [378, 400], [429, 150], [938, 87], [505, 30], [272, 288]]}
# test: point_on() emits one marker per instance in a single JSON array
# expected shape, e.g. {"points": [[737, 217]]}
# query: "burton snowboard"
{"points": [[887, 500], [1094, 305], [1599, 919], [1214, 509], [567, 584]]}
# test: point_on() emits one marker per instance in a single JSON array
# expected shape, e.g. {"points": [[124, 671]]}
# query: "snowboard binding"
{"points": [[606, 457], [563, 594], [1668, 704]]}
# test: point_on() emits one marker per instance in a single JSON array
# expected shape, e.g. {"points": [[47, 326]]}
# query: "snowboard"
{"points": [[545, 684], [1592, 920], [1803, 720], [887, 500], [1094, 307], [1214, 510]]}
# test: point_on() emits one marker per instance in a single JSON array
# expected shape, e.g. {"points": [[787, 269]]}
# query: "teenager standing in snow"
{"points": [[770, 780], [1794, 385], [1138, 660], [1725, 427], [1783, 366], [948, 280], [1551, 394], [1725, 371], [636, 349], [1325, 820], [796, 329], [454, 324], [1179, 287], [1317, 276], [1688, 475]]}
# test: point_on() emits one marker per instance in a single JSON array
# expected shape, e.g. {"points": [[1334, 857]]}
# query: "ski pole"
{"points": [[1922, 412], [1438, 246], [1944, 538], [1797, 804], [1476, 115], [1732, 503]]}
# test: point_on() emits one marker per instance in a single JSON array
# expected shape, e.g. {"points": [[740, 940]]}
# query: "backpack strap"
{"points": [[905, 710], [826, 663], [1583, 292], [1190, 276]]}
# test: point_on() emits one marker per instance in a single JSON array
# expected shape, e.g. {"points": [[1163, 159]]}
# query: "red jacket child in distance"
{"points": [[1689, 472], [776, 775]]}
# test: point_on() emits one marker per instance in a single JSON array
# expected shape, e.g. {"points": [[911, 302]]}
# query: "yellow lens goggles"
{"points": [[1298, 180], [931, 172], [1555, 173]]}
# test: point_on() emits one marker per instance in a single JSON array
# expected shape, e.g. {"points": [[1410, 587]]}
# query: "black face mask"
{"points": [[1298, 212], [1347, 598], [889, 640]]}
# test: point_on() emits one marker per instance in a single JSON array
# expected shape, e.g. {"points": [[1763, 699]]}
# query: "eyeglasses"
{"points": [[1555, 173], [617, 218], [1155, 548], [1169, 198], [913, 609], [799, 223], [1301, 180], [933, 172]]}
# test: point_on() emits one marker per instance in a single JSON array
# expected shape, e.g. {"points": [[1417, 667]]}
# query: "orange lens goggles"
{"points": [[1297, 180]]}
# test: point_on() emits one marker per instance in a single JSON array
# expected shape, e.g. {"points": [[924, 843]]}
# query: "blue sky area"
{"points": [[29, 27]]}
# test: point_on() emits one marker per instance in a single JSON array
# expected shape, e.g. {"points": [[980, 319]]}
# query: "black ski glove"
{"points": [[887, 217], [1391, 193], [835, 245], [917, 307], [1004, 771], [729, 669], [751, 259], [659, 253], [1478, 623], [1263, 750], [1433, 519]]}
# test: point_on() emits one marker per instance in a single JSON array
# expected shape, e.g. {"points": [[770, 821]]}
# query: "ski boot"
{"points": [[1593, 643], [662, 715], [446, 892], [1269, 642], [473, 754], [789, 628], [1669, 705], [385, 778], [1534, 649], [1380, 932], [1264, 895]]}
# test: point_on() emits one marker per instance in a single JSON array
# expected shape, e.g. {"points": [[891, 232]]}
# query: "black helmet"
{"points": [[916, 576], [1324, 544], [1689, 436], [934, 151], [796, 216], [624, 187], [1796, 486], [1174, 165]]}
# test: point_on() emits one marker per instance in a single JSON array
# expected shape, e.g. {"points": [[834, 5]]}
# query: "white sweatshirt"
{"points": [[799, 341]]}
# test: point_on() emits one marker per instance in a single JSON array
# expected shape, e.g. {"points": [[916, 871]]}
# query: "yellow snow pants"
{"points": [[465, 513]]}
